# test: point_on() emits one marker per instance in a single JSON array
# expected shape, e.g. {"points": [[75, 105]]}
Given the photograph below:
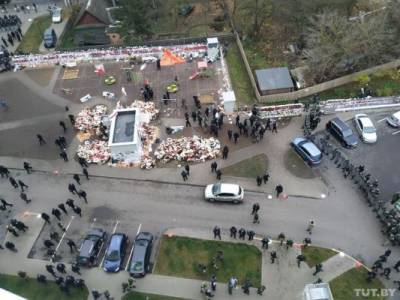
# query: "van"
{"points": [[342, 132], [49, 38]]}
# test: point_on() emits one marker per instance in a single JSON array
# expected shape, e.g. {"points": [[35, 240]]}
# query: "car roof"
{"points": [[311, 148], [116, 241], [139, 252], [86, 248], [229, 188], [340, 123], [366, 121]]}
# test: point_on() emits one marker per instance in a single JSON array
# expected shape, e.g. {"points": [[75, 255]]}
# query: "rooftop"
{"points": [[274, 78]]}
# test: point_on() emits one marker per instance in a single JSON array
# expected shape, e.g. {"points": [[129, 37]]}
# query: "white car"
{"points": [[56, 15], [224, 192], [365, 128], [394, 120]]}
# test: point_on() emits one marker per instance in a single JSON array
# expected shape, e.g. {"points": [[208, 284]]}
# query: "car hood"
{"points": [[208, 191], [351, 140], [112, 266]]}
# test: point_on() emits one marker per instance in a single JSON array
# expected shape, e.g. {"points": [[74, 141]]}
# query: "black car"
{"points": [[342, 132], [141, 254], [91, 247], [115, 252]]}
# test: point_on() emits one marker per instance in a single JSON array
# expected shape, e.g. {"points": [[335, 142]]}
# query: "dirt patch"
{"points": [[41, 76], [295, 165]]}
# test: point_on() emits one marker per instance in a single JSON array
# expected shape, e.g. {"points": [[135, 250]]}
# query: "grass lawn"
{"points": [[145, 296], [316, 255], [251, 167], [33, 290], [240, 81], [343, 287], [180, 256], [296, 165], [34, 36]]}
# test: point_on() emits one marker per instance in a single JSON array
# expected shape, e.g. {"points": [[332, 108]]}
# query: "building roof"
{"points": [[98, 9], [274, 78]]}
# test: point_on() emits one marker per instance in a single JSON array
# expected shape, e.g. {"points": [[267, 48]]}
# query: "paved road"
{"points": [[343, 220]]}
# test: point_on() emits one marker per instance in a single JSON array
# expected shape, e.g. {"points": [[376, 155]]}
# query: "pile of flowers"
{"points": [[148, 108], [192, 149], [90, 118], [94, 151]]}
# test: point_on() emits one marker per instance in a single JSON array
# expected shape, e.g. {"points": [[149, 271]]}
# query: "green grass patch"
{"points": [[33, 290], [180, 256], [34, 36], [238, 74], [145, 296], [317, 255], [251, 167], [297, 166], [343, 287]]}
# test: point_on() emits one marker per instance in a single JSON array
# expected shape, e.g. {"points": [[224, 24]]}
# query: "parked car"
{"points": [[365, 128], [224, 192], [394, 119], [139, 265], [115, 252], [49, 38], [56, 15], [91, 247], [342, 132], [307, 150]]}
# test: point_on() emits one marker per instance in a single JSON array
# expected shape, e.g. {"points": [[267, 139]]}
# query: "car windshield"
{"points": [[138, 266], [347, 132], [369, 129], [395, 119], [113, 255], [216, 188]]}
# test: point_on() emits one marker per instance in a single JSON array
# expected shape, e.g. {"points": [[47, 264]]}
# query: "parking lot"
{"points": [[381, 159], [77, 228]]}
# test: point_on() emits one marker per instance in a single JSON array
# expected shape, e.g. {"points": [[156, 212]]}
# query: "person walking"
{"points": [[27, 167], [281, 238], [273, 256], [259, 180], [64, 155], [184, 175], [76, 269], [235, 137], [70, 203], [187, 169], [21, 226], [397, 266], [86, 173], [214, 166], [62, 207], [274, 127], [5, 203], [55, 212], [310, 227], [72, 188], [219, 174], [266, 177], [318, 269], [12, 230], [225, 152], [24, 197], [265, 243], [217, 232], [22, 185], [256, 219], [255, 208], [72, 246], [300, 258], [48, 244], [250, 235], [13, 182], [4, 172], [50, 269], [230, 134], [40, 139], [78, 211], [77, 179], [83, 162], [289, 244], [82, 194], [233, 232], [45, 217], [64, 127], [242, 233], [278, 190]]}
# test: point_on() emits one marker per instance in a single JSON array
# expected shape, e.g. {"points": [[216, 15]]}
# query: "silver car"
{"points": [[224, 192], [394, 120]]}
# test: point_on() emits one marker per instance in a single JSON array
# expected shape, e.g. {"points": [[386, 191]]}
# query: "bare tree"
{"points": [[255, 10]]}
